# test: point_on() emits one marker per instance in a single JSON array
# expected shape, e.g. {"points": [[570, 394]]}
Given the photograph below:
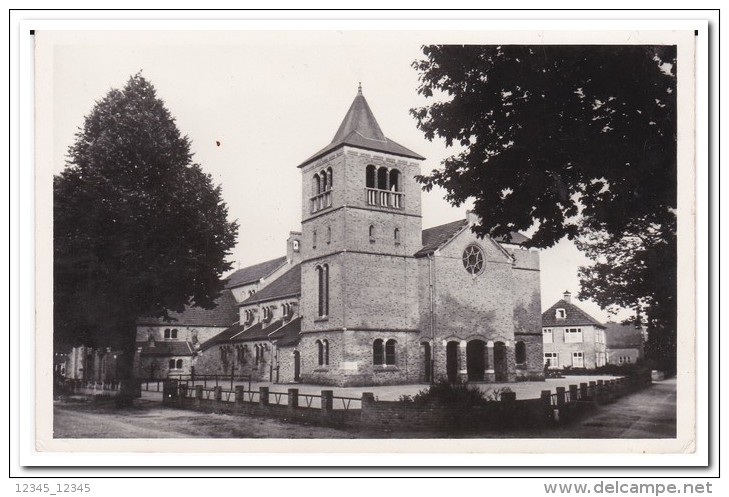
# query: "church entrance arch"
{"points": [[500, 364], [427, 362], [297, 366], [452, 361], [476, 360]]}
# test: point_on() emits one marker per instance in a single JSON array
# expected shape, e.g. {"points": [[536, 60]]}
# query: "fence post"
{"points": [[560, 402], [327, 400], [169, 392], [592, 388], [263, 396], [183, 390], [573, 394], [600, 392], [293, 398], [239, 395], [583, 392], [198, 395], [218, 394], [546, 398]]}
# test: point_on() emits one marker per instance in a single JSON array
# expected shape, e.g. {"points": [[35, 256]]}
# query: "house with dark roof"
{"points": [[571, 337], [624, 342], [365, 296]]}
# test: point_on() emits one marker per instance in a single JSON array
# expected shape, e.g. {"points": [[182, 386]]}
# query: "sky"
{"points": [[272, 99]]}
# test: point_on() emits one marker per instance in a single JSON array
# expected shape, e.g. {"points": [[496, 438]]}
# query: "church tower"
{"points": [[361, 225]]}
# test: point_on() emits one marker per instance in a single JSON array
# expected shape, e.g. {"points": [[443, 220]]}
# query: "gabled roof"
{"points": [[224, 314], [574, 316], [286, 285], [165, 348], [359, 129], [623, 336], [288, 334], [437, 236], [253, 273]]}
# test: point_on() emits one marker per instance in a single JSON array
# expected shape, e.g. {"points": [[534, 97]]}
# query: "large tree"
{"points": [[139, 228], [573, 141]]}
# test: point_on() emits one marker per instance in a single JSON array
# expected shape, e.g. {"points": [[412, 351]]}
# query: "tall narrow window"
{"points": [[547, 336], [316, 185], [329, 235], [325, 344], [372, 233], [313, 238], [396, 236], [179, 364], [320, 350], [382, 178], [172, 364], [323, 277], [330, 183], [390, 352], [395, 180], [377, 353]]}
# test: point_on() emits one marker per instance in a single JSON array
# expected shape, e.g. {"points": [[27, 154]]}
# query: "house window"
{"points": [[378, 358], [599, 359], [323, 277], [547, 336], [520, 352], [551, 360], [240, 353], [372, 233], [599, 336], [170, 334], [259, 354], [560, 314], [473, 259], [573, 335], [396, 236], [172, 363], [178, 364], [578, 360]]}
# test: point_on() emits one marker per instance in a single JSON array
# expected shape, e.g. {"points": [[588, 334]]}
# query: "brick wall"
{"points": [[209, 361]]}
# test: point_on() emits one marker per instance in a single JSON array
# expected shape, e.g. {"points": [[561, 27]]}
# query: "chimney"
{"points": [[567, 296]]}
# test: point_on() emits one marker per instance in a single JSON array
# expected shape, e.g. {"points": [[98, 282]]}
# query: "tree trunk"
{"points": [[129, 385]]}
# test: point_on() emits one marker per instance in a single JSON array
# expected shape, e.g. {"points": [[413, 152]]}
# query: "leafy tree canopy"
{"points": [[571, 141], [139, 228]]}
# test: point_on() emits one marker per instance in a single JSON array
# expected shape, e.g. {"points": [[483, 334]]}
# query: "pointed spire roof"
{"points": [[359, 128]]}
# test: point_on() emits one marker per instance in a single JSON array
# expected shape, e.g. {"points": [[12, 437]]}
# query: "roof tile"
{"points": [[574, 316], [253, 273]]}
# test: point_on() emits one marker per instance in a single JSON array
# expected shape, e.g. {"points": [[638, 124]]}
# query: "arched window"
{"points": [[396, 236], [378, 358], [179, 364], [325, 344], [520, 352], [330, 176], [395, 180], [324, 182], [316, 185], [323, 277], [371, 176], [372, 233], [382, 179], [390, 352]]}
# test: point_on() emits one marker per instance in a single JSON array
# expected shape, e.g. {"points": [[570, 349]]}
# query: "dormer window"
{"points": [[170, 334], [561, 314]]}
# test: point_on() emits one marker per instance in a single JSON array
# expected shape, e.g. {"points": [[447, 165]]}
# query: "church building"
{"points": [[365, 296]]}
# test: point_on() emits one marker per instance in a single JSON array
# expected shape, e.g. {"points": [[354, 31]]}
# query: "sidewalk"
{"points": [[648, 413]]}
